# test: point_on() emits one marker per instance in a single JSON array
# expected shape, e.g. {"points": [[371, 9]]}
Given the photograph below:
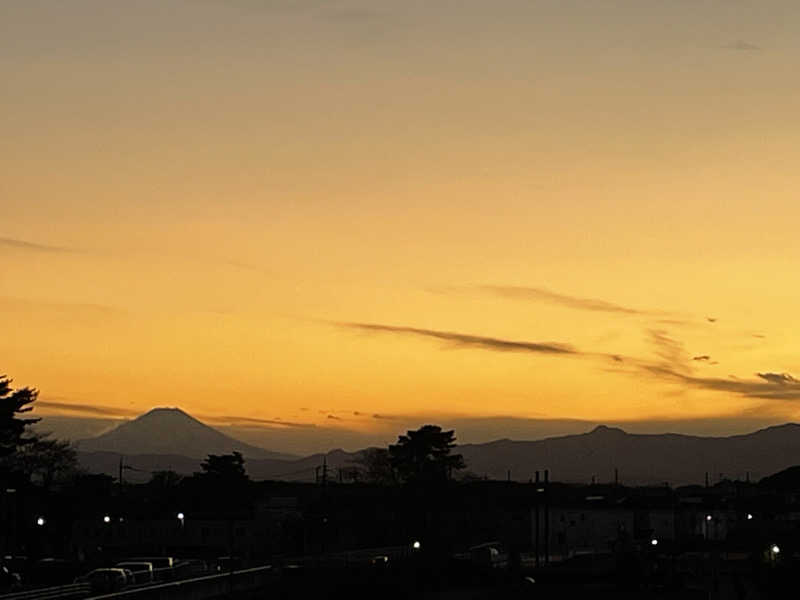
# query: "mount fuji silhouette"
{"points": [[170, 431]]}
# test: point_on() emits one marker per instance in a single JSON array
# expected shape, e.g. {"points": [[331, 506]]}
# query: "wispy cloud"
{"points": [[87, 409], [96, 410], [237, 420], [772, 386], [742, 46], [544, 295], [672, 364], [32, 246], [468, 340], [670, 351], [779, 378], [11, 303], [246, 266], [677, 322]]}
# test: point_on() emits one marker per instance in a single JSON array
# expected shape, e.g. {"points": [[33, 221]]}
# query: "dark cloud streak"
{"points": [[673, 363], [89, 409], [773, 387], [742, 46], [468, 340], [779, 378], [32, 246], [544, 295], [234, 420]]}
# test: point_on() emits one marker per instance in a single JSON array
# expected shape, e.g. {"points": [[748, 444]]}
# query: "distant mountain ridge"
{"points": [[170, 438], [639, 458], [171, 431], [299, 469]]}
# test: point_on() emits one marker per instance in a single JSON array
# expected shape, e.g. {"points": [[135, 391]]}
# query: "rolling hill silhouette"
{"points": [[170, 431], [640, 458], [170, 438]]}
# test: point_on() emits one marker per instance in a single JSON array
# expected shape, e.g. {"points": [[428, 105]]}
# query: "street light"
{"points": [[708, 517], [749, 517], [40, 521], [106, 519], [416, 545], [775, 549], [654, 542]]}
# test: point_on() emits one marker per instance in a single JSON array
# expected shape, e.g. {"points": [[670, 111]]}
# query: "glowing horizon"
{"points": [[321, 213]]}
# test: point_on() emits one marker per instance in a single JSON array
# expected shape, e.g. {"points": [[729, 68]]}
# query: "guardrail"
{"points": [[61, 592], [83, 589], [168, 585], [198, 588]]}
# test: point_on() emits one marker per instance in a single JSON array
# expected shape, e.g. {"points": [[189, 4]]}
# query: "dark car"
{"points": [[228, 563], [52, 571], [107, 581], [9, 581]]}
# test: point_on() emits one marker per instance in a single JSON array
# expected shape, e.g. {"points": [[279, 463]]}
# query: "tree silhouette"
{"points": [[222, 487], [46, 460], [424, 455], [375, 466], [164, 480], [34, 458], [12, 427], [224, 467]]}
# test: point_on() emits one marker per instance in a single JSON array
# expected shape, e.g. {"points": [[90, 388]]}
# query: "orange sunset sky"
{"points": [[360, 215]]}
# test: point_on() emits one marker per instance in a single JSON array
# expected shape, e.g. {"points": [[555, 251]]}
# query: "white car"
{"points": [[142, 571]]}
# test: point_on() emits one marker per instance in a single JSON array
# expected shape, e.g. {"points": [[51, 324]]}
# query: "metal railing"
{"points": [[198, 588], [168, 583], [84, 588], [60, 592]]}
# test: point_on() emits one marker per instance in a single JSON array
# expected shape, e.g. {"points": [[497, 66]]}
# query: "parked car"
{"points": [[9, 582], [17, 564], [158, 562], [191, 567], [488, 556], [380, 560], [51, 571], [141, 571], [106, 581], [228, 563], [162, 566]]}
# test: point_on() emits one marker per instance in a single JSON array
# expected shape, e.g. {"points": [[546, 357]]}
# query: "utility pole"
{"points": [[124, 467], [536, 520], [324, 504], [547, 516]]}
